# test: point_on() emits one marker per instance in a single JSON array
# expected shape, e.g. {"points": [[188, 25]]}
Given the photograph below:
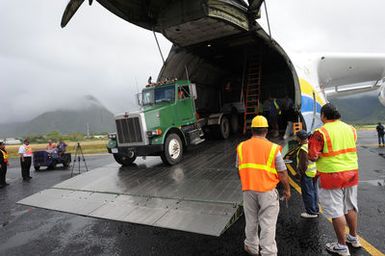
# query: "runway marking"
{"points": [[365, 244]]}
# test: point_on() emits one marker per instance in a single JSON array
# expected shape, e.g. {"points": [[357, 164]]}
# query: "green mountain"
{"points": [[363, 108], [89, 114]]}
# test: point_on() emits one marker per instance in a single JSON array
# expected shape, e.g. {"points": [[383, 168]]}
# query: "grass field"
{"points": [[365, 127], [88, 147]]}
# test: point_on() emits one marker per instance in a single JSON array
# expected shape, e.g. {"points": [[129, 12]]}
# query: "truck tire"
{"points": [[224, 128], [173, 150], [37, 167], [124, 160], [234, 123]]}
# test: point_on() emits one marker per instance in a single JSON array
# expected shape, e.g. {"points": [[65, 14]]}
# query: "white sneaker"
{"points": [[335, 247], [308, 216], [353, 241]]}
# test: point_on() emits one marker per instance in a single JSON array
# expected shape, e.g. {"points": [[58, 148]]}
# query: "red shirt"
{"points": [[330, 180]]}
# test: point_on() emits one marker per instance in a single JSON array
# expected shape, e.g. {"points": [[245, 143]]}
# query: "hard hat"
{"points": [[259, 122]]}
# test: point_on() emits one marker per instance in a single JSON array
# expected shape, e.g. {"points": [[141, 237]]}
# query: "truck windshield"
{"points": [[158, 95]]}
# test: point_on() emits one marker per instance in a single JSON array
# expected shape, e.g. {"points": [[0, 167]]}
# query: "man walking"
{"points": [[3, 165], [333, 146], [25, 153], [307, 171], [380, 134], [261, 168]]}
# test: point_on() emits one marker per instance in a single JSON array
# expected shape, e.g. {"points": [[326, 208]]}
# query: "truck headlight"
{"points": [[112, 136], [156, 132]]}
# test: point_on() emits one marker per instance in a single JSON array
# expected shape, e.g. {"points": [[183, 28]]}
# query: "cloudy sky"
{"points": [[43, 66]]}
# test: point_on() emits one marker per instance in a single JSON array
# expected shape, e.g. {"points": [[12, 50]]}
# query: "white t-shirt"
{"points": [[26, 150]]}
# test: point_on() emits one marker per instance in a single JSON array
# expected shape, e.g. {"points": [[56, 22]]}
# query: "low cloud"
{"points": [[43, 66]]}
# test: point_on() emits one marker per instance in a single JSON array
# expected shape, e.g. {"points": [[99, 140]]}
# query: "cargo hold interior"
{"points": [[221, 68]]}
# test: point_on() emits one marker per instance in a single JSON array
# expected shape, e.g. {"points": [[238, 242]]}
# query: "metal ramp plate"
{"points": [[201, 195]]}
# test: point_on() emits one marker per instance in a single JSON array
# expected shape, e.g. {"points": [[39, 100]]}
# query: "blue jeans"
{"points": [[380, 139], [310, 194]]}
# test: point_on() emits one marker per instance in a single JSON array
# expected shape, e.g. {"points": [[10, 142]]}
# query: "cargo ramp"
{"points": [[200, 195]]}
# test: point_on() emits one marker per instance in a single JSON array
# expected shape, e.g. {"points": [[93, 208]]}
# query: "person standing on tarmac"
{"points": [[261, 168], [380, 133], [333, 147], [3, 165], [307, 171], [25, 153]]}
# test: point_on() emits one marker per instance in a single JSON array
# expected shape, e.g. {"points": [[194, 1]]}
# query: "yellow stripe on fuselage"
{"points": [[308, 89]]}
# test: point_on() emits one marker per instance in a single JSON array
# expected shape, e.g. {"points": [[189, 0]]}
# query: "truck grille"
{"points": [[129, 130]]}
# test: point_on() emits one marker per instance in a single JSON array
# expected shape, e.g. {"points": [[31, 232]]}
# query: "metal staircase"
{"points": [[252, 90]]}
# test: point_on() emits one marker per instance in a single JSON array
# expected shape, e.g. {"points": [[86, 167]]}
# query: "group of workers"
{"points": [[328, 166], [279, 113], [25, 153]]}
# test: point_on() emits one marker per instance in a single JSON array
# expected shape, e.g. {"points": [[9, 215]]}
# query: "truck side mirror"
{"points": [[193, 91], [139, 99]]}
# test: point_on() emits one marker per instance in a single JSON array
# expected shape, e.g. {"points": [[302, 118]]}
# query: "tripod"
{"points": [[78, 154]]}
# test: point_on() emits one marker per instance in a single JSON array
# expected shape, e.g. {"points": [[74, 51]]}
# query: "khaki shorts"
{"points": [[337, 202]]}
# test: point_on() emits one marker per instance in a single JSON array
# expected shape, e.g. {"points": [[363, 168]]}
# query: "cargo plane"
{"points": [[214, 41]]}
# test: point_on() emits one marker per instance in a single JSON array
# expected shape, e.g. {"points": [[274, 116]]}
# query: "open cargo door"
{"points": [[183, 22]]}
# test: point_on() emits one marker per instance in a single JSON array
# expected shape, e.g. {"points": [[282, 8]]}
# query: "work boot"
{"points": [[353, 241], [247, 249], [337, 248]]}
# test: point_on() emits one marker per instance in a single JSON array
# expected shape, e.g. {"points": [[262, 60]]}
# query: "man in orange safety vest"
{"points": [[261, 168]]}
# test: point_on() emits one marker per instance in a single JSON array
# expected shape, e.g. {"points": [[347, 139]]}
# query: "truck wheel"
{"points": [[224, 128], [234, 123], [173, 150], [37, 168], [124, 160]]}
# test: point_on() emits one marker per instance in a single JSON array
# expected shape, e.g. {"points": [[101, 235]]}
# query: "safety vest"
{"points": [[339, 153], [27, 150], [311, 170], [256, 164], [277, 107], [5, 155]]}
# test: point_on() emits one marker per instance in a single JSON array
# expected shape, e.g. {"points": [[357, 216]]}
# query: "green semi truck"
{"points": [[167, 123]]}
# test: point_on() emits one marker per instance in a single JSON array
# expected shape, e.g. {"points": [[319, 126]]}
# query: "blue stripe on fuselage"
{"points": [[307, 104]]}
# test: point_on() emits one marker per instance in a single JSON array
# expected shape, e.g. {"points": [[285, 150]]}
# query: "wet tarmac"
{"points": [[31, 231]]}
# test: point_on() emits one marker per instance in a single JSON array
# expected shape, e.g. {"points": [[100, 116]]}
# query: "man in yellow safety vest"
{"points": [[261, 168], [307, 171], [3, 165], [333, 147]]}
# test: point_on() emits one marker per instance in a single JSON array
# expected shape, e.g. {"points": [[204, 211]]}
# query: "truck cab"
{"points": [[164, 126]]}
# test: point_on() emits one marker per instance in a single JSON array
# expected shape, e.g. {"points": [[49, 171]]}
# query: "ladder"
{"points": [[252, 90]]}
